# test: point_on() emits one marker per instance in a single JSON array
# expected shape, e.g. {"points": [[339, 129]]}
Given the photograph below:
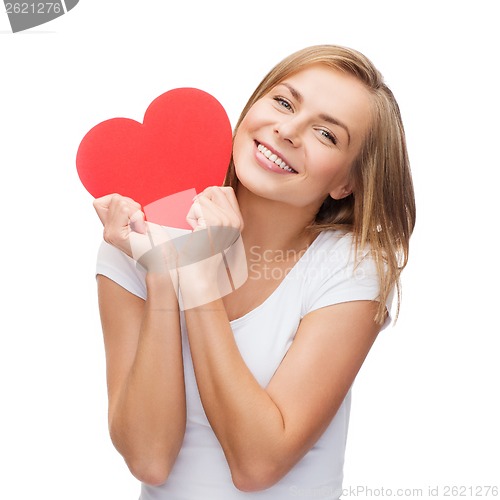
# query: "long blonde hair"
{"points": [[380, 212]]}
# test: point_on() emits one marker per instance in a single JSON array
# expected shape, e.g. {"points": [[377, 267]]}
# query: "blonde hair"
{"points": [[380, 212]]}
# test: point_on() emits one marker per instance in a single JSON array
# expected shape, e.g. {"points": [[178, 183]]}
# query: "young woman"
{"points": [[247, 396]]}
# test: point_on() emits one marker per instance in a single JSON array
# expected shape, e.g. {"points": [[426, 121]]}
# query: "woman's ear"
{"points": [[341, 192]]}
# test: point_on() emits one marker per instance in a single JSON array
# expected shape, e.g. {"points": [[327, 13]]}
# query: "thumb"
{"points": [[195, 217], [137, 222]]}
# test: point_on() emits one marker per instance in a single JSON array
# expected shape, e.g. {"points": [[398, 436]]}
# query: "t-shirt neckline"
{"points": [[292, 271]]}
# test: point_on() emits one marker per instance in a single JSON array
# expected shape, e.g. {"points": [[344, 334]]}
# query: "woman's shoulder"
{"points": [[123, 270], [335, 238], [333, 249], [333, 260], [337, 270]]}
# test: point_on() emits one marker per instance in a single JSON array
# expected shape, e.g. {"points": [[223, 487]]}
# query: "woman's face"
{"points": [[297, 143]]}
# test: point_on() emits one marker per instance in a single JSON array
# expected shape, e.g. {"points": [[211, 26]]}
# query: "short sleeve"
{"points": [[120, 268], [341, 276]]}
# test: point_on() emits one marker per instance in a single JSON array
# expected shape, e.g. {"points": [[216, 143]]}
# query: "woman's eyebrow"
{"points": [[327, 118], [334, 121], [295, 93]]}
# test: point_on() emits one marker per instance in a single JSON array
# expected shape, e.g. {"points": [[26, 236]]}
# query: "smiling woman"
{"points": [[248, 396], [377, 205], [295, 123]]}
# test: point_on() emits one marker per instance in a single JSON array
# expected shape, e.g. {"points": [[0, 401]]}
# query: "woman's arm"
{"points": [[147, 408], [264, 432]]}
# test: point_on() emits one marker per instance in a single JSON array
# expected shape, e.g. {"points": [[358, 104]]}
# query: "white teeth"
{"points": [[274, 158]]}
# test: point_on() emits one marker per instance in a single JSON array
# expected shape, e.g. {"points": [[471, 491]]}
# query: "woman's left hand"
{"points": [[217, 223], [215, 207]]}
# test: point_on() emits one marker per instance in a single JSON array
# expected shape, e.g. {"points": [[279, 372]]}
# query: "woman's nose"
{"points": [[289, 130]]}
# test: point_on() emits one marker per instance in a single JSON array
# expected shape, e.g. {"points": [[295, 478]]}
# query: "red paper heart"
{"points": [[182, 147]]}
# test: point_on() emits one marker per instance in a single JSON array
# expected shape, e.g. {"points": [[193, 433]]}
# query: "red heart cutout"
{"points": [[182, 147]]}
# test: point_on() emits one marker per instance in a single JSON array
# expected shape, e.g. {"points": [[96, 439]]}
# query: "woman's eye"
{"points": [[327, 135], [283, 102]]}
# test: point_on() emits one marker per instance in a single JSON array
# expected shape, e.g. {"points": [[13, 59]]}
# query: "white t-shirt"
{"points": [[324, 275]]}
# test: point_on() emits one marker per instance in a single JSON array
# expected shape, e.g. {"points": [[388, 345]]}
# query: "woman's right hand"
{"points": [[120, 216], [126, 229]]}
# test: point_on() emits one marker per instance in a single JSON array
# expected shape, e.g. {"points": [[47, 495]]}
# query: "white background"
{"points": [[426, 408]]}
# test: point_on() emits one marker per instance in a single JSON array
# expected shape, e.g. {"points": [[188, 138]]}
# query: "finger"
{"points": [[221, 194], [217, 215], [216, 195], [134, 205], [121, 217], [101, 206], [213, 216], [124, 209], [227, 215], [231, 197], [113, 202], [137, 222], [226, 198], [195, 216]]}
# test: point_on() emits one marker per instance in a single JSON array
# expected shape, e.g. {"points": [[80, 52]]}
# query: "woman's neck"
{"points": [[272, 225]]}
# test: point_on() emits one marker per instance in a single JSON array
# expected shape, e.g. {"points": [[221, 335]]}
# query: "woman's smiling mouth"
{"points": [[274, 159]]}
